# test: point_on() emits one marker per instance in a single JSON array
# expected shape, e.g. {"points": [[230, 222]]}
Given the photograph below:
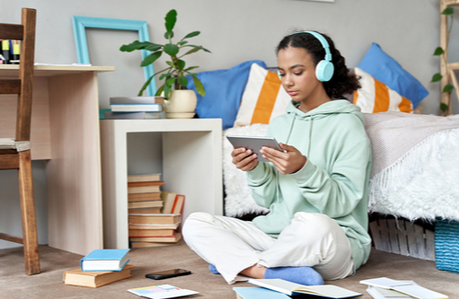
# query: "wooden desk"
{"points": [[65, 131], [191, 162]]}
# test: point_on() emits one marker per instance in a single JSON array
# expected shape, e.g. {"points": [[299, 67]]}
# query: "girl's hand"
{"points": [[286, 162], [244, 159]]}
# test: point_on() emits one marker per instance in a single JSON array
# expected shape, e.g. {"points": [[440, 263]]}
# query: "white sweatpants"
{"points": [[232, 245]]}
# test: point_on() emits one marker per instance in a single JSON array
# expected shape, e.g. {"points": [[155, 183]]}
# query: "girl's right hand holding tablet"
{"points": [[244, 159]]}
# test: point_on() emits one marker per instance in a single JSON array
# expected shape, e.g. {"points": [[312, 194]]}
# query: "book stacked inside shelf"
{"points": [[158, 230], [136, 108], [100, 267], [144, 194]]}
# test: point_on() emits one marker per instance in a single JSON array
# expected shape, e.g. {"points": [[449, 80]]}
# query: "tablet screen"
{"points": [[254, 143]]}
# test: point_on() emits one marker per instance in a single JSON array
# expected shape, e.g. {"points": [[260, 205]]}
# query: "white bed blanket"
{"points": [[415, 171]]}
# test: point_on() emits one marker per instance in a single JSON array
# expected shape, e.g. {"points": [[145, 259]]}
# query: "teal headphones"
{"points": [[324, 69]]}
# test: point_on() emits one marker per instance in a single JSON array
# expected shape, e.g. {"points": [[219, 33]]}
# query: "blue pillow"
{"points": [[385, 69], [224, 90]]}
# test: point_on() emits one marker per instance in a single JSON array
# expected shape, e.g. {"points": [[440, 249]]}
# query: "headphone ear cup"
{"points": [[324, 70]]}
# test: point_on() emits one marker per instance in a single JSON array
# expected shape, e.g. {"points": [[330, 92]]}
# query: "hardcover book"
{"points": [[136, 107], [154, 218], [137, 100], [105, 260], [143, 196], [168, 239], [134, 115], [95, 279], [145, 204], [144, 177]]}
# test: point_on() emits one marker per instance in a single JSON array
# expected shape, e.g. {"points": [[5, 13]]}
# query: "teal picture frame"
{"points": [[81, 23]]}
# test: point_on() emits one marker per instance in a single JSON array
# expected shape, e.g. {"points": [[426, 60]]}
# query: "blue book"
{"points": [[105, 260]]}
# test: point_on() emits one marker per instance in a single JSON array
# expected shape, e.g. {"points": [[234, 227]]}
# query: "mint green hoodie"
{"points": [[334, 180]]}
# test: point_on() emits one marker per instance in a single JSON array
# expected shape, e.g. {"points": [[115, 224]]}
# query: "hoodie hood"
{"points": [[324, 110]]}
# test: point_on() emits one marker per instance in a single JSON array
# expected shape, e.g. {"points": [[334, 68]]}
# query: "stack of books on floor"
{"points": [[136, 108], [144, 194], [158, 230], [100, 267]]}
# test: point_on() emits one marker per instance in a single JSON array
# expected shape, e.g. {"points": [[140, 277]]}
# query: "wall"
{"points": [[235, 31]]}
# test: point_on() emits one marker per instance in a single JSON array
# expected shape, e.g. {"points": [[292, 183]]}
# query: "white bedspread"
{"points": [[415, 171]]}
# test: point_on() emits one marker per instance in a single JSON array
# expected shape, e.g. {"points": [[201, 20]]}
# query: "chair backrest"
{"points": [[25, 32]]}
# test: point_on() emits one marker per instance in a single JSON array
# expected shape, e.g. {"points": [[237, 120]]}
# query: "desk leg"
{"points": [[74, 171]]}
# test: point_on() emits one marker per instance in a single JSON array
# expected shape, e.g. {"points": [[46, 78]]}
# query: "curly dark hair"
{"points": [[343, 82]]}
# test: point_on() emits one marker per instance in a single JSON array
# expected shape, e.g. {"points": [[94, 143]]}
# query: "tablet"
{"points": [[254, 143]]}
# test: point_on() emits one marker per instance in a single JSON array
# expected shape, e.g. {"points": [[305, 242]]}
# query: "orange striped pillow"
{"points": [[263, 99], [375, 96]]}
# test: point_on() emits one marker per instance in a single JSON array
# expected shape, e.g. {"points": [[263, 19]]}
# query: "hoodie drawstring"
{"points": [[309, 134]]}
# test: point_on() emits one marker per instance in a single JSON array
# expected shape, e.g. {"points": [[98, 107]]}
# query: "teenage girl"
{"points": [[316, 190]]}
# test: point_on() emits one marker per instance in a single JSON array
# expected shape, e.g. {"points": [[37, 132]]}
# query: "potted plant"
{"points": [[175, 84]]}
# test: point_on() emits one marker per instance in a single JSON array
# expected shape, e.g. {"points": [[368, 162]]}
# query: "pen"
{"points": [[6, 50]]}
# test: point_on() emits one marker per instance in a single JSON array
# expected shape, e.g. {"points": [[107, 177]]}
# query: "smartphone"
{"points": [[168, 274], [254, 143]]}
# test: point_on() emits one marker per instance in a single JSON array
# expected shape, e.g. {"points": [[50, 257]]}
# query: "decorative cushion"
{"points": [[387, 70], [224, 90], [264, 98], [374, 96]]}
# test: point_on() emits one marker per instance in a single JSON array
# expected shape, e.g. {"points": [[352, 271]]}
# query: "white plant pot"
{"points": [[181, 104]]}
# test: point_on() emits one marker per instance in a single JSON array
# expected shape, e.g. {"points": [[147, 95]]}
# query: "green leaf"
{"points": [[183, 81], [181, 64], [153, 47], [169, 35], [171, 81], [191, 51], [159, 90], [192, 34], [171, 49], [136, 45], [151, 58], [191, 68], [443, 107], [170, 64], [145, 85], [163, 76], [448, 11], [182, 43], [170, 20], [198, 47], [167, 89], [448, 88], [436, 78], [439, 51], [199, 86]]}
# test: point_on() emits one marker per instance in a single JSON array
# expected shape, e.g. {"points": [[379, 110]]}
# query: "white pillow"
{"points": [[375, 96], [263, 99]]}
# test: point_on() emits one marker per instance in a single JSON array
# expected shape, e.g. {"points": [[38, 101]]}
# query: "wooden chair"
{"points": [[15, 153]]}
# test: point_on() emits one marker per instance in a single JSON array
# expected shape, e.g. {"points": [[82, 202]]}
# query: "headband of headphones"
{"points": [[325, 68], [322, 40]]}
